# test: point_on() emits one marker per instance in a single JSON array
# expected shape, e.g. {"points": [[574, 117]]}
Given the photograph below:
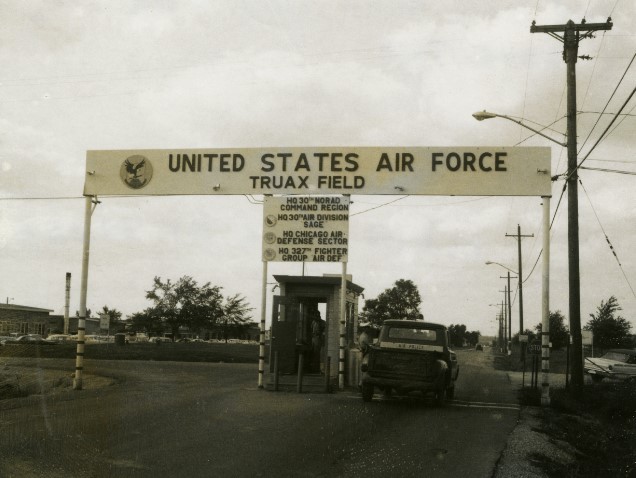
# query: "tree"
{"points": [[234, 319], [610, 330], [559, 333], [473, 337], [459, 335], [184, 303], [147, 321], [402, 301]]}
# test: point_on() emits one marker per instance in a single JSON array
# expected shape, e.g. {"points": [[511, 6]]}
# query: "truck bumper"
{"points": [[404, 385]]}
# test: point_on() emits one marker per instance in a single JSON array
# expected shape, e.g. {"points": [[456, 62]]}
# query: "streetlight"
{"points": [[482, 115]]}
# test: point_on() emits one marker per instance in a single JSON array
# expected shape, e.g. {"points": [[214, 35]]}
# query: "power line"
{"points": [[608, 101], [633, 173], [379, 206], [622, 119], [604, 132], [609, 243], [43, 198]]}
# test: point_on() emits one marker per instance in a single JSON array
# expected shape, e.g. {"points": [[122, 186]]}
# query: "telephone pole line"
{"points": [[509, 306], [520, 273], [572, 34], [504, 315]]}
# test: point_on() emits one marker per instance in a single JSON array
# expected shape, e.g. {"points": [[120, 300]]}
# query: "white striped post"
{"points": [[261, 347], [81, 322], [343, 299], [545, 303]]}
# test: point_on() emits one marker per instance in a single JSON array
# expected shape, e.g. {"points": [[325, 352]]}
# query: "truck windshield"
{"points": [[418, 335]]}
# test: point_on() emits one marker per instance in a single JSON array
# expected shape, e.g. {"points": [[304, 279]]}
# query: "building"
{"points": [[22, 319]]}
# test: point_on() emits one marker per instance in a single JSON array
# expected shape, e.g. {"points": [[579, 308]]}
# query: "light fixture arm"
{"points": [[482, 115], [507, 268]]}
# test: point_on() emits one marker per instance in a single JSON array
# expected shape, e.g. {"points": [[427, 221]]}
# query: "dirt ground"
{"points": [[18, 379], [595, 427]]}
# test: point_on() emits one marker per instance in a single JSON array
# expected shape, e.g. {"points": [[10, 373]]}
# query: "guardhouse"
{"points": [[306, 321]]}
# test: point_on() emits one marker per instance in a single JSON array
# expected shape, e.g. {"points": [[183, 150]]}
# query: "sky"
{"points": [[106, 75]]}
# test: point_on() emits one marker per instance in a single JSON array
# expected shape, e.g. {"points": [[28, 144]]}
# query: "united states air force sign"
{"points": [[306, 228], [461, 171]]}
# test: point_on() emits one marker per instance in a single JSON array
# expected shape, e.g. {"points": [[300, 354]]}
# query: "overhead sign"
{"points": [[461, 171], [306, 228]]}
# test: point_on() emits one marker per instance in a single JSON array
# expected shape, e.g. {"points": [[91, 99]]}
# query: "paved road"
{"points": [[206, 420]]}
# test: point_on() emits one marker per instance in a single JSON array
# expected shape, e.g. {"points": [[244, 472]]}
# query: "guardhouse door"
{"points": [[285, 315]]}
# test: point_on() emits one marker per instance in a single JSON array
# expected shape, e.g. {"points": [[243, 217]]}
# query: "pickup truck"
{"points": [[410, 356]]}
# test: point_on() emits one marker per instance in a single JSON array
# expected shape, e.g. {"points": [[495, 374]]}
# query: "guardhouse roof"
{"points": [[318, 280]]}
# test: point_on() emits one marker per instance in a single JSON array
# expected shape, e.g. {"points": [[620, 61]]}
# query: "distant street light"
{"points": [[482, 115]]}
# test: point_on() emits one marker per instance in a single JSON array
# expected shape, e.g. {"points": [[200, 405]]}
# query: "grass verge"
{"points": [[178, 352], [598, 420]]}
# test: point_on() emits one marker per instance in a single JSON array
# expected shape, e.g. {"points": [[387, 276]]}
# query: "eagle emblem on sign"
{"points": [[136, 171]]}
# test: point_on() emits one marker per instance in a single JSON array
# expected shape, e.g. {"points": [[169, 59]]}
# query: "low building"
{"points": [[22, 319]]}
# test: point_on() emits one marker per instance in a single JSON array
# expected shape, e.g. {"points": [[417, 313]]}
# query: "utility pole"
{"points": [[504, 317], [500, 338], [520, 273], [509, 306], [573, 33]]}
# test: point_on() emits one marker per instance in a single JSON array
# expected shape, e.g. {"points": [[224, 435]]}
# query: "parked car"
{"points": [[138, 337], [4, 338], [155, 340], [32, 339], [615, 363], [59, 338], [410, 356]]}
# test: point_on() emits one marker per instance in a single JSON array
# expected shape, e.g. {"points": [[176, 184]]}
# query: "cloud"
{"points": [[250, 74]]}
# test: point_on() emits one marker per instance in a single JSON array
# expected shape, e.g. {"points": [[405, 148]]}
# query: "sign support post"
{"points": [[81, 323], [343, 317], [261, 348], [545, 302]]}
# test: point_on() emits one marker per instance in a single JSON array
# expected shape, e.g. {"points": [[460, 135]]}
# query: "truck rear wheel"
{"points": [[367, 392], [440, 397], [450, 392]]}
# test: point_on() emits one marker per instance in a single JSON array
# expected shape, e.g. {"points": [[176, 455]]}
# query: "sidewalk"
{"points": [[526, 443]]}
